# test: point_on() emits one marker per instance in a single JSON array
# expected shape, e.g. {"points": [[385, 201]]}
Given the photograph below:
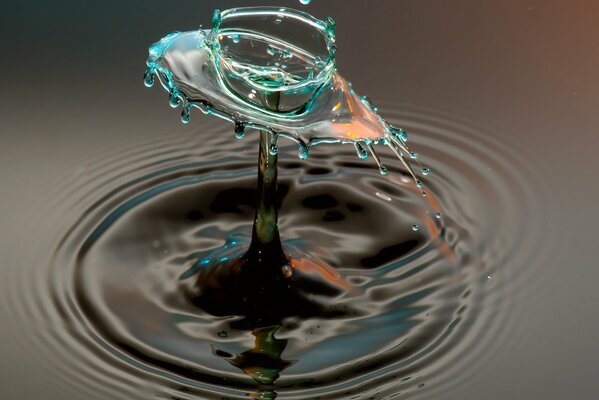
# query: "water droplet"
{"points": [[149, 78], [287, 271], [239, 130], [420, 385], [270, 51], [216, 19], [415, 227], [173, 98], [303, 151], [274, 148], [222, 334], [419, 183], [305, 2], [438, 215], [426, 171], [489, 276], [185, 115], [362, 153], [413, 155], [235, 38], [383, 170]]}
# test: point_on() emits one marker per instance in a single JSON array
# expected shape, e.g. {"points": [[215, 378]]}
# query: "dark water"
{"points": [[106, 211]]}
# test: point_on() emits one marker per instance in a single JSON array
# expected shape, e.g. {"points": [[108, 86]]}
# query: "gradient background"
{"points": [[71, 87]]}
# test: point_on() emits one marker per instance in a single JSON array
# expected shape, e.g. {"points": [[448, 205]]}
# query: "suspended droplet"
{"points": [[426, 171], [303, 151], [438, 215], [274, 148], [185, 115], [235, 38], [149, 78], [415, 227], [239, 130], [305, 2], [362, 153], [413, 155], [173, 98]]}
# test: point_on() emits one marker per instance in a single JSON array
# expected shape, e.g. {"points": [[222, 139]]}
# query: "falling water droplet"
{"points": [[415, 227], [305, 2], [419, 183], [426, 171]]}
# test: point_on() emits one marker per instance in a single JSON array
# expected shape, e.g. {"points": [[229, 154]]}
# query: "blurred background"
{"points": [[71, 88]]}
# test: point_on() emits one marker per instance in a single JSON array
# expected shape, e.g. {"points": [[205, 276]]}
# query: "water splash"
{"points": [[273, 69]]}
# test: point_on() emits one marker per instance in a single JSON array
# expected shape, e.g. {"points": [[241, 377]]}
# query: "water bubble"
{"points": [[415, 227]]}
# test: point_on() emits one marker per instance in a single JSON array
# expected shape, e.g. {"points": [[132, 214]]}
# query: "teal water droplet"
{"points": [[185, 115], [149, 78], [274, 148], [270, 51], [419, 183], [426, 171], [235, 38], [415, 227], [362, 153], [383, 170], [173, 98], [239, 130], [413, 155], [303, 151], [222, 334], [438, 215], [305, 2]]}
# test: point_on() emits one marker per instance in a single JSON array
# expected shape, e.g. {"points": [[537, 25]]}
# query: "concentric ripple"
{"points": [[428, 281]]}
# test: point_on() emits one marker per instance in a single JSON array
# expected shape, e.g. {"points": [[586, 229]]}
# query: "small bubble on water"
{"points": [[415, 227]]}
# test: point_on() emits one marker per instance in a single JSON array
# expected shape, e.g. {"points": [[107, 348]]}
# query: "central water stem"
{"points": [[266, 242]]}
